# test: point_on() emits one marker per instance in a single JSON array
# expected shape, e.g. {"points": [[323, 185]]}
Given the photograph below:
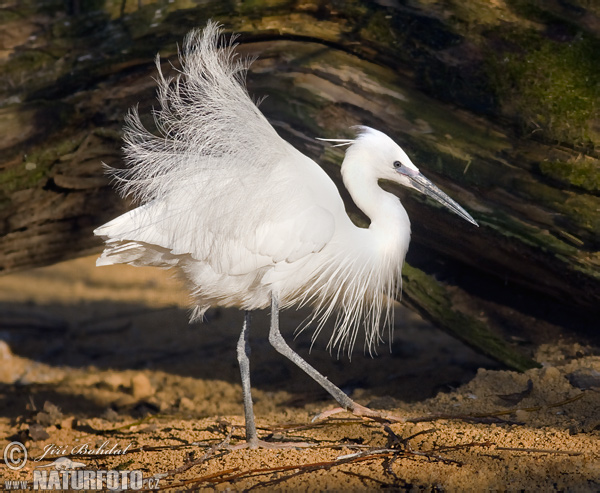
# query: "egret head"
{"points": [[380, 156]]}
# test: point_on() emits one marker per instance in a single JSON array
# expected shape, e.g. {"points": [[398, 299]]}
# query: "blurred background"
{"points": [[496, 102]]}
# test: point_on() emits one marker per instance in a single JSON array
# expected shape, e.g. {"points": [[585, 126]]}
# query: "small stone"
{"points": [[68, 423], [113, 381], [585, 378], [111, 415], [53, 411], [186, 404], [124, 401], [141, 386], [522, 416], [550, 373], [37, 432]]}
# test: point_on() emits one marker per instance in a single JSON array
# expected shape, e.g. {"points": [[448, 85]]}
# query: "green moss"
{"points": [[454, 154], [551, 87], [34, 167], [584, 212], [541, 11], [109, 133], [379, 30], [583, 174], [509, 227], [536, 192], [33, 69], [262, 5], [48, 155], [353, 9], [22, 176], [429, 295], [7, 16], [28, 60], [581, 210]]}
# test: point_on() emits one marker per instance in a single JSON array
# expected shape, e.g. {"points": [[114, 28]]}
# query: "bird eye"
{"points": [[404, 170]]}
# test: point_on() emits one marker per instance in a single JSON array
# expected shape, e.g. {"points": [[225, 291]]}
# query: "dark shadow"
{"points": [[421, 361]]}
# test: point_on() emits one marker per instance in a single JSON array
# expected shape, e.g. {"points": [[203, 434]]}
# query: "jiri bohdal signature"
{"points": [[53, 449]]}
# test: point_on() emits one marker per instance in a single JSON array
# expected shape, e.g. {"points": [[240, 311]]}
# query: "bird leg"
{"points": [[243, 355], [278, 342]]}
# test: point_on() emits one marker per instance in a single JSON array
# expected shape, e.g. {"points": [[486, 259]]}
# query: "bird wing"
{"points": [[217, 182], [235, 233]]}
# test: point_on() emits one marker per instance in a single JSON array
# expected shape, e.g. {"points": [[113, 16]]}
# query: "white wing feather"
{"points": [[218, 184]]}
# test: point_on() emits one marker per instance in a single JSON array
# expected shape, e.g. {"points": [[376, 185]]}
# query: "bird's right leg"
{"points": [[278, 342]]}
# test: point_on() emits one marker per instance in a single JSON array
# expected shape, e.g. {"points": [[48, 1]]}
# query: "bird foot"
{"points": [[361, 411], [255, 444]]}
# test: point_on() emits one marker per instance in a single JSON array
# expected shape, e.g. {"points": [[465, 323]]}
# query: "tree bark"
{"points": [[432, 82]]}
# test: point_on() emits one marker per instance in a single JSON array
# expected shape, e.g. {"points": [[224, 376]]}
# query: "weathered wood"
{"points": [[436, 83]]}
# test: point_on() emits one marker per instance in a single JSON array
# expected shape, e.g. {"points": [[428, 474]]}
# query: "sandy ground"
{"points": [[100, 366]]}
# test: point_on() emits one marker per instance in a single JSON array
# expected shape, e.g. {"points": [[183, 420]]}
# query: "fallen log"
{"points": [[529, 272]]}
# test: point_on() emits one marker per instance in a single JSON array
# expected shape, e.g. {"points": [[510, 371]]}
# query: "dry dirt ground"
{"points": [[100, 361]]}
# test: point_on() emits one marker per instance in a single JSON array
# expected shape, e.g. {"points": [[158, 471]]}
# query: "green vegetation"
{"points": [[34, 167], [428, 295], [550, 86], [583, 173]]}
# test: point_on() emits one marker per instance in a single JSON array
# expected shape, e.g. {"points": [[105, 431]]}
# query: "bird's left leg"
{"points": [[243, 355], [278, 342]]}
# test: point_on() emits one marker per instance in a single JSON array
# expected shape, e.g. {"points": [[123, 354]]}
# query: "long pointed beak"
{"points": [[425, 186]]}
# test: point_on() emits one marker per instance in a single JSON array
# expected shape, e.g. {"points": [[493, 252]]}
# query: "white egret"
{"points": [[249, 221]]}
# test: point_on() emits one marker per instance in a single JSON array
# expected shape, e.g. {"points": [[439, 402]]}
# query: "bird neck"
{"points": [[389, 219]]}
